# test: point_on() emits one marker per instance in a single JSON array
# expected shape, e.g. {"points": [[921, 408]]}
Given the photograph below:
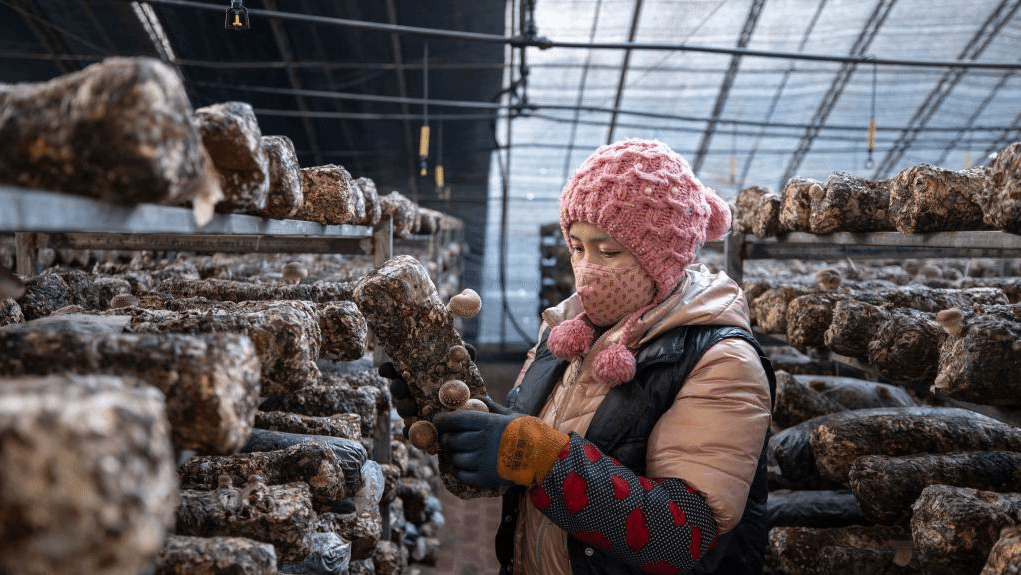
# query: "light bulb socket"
{"points": [[236, 19]]}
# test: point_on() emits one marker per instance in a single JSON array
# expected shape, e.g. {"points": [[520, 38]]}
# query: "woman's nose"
{"points": [[586, 258]]}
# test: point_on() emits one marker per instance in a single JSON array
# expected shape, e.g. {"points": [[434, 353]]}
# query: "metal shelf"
{"points": [[84, 223], [799, 245], [41, 211]]}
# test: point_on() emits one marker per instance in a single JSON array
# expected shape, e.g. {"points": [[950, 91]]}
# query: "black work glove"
{"points": [[403, 400], [497, 407]]}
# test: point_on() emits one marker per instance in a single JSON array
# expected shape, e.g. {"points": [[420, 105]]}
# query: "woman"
{"points": [[635, 435]]}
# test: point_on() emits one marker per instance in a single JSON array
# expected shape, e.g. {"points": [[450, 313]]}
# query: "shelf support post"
{"points": [[733, 253], [382, 241], [27, 262]]}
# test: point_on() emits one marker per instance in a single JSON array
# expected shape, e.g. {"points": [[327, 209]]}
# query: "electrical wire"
{"points": [[543, 43], [327, 115], [535, 112], [333, 95], [17, 55], [581, 91], [504, 164], [778, 93], [786, 125], [667, 56], [843, 150], [383, 67], [52, 26]]}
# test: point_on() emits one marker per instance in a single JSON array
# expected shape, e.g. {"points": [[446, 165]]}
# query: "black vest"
{"points": [[621, 427]]}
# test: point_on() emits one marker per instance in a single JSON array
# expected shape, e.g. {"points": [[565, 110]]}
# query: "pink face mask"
{"points": [[610, 294]]}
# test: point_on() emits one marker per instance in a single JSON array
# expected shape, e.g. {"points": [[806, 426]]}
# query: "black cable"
{"points": [[543, 43], [368, 115], [787, 125], [333, 95], [511, 92], [52, 26], [532, 110]]}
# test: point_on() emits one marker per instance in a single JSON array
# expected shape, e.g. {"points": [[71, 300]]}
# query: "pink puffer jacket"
{"points": [[710, 438]]}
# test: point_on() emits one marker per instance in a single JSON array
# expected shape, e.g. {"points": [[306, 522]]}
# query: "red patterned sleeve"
{"points": [[657, 525]]}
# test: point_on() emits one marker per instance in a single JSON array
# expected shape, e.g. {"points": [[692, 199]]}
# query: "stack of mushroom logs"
{"points": [[301, 490], [401, 306], [918, 474], [195, 414]]}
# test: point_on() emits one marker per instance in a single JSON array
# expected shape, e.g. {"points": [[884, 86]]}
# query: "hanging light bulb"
{"points": [[439, 177], [237, 17], [869, 164], [423, 150], [423, 134]]}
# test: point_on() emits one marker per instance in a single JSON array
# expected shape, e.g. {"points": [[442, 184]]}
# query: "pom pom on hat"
{"points": [[719, 218], [614, 365], [570, 339]]}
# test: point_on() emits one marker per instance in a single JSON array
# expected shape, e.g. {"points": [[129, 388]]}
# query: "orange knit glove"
{"points": [[492, 449], [528, 449]]}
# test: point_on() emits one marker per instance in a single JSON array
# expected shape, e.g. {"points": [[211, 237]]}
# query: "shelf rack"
{"points": [[85, 223], [799, 245], [739, 247], [40, 218]]}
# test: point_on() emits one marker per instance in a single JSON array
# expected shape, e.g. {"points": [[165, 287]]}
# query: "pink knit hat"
{"points": [[645, 196]]}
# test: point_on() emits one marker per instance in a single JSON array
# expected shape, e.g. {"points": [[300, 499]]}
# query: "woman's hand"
{"points": [[491, 449]]}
